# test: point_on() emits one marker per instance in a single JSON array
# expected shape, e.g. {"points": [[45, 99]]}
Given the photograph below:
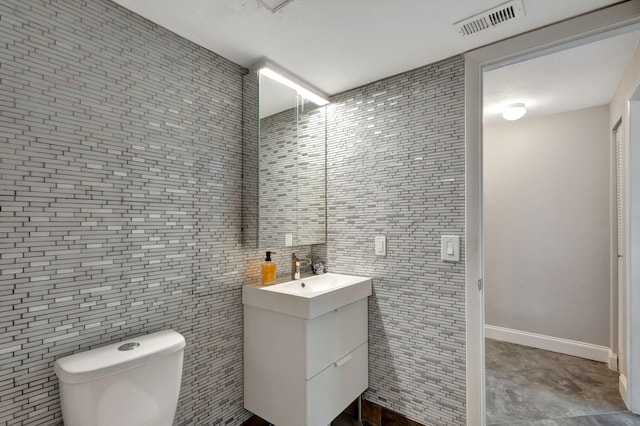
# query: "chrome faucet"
{"points": [[296, 262]]}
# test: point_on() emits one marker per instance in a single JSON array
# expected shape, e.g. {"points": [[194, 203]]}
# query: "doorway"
{"points": [[546, 227], [611, 21]]}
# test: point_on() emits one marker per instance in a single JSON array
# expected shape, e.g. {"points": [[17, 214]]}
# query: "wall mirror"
{"points": [[284, 174]]}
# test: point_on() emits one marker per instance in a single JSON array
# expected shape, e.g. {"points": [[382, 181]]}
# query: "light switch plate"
{"points": [[450, 248], [288, 240], [381, 246]]}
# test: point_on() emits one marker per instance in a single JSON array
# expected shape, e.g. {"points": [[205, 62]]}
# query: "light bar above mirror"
{"points": [[276, 73]]}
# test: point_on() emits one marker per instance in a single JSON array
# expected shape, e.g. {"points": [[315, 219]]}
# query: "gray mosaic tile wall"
{"points": [[396, 168], [120, 203], [120, 211]]}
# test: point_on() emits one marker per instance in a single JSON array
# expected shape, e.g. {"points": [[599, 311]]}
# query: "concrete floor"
{"points": [[528, 386]]}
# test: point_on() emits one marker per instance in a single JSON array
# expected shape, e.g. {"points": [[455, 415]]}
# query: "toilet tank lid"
{"points": [[107, 360]]}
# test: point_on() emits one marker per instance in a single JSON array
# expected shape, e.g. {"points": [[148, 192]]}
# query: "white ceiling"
{"points": [[338, 45], [581, 77]]}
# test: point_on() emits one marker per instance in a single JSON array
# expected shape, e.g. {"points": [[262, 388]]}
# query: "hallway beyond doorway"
{"points": [[529, 386]]}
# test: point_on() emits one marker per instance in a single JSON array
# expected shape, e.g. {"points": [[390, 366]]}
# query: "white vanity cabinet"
{"points": [[304, 371]]}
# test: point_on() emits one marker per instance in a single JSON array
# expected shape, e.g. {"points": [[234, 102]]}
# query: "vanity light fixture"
{"points": [[514, 112], [276, 73]]}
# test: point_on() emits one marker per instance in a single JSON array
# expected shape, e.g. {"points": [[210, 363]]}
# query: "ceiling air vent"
{"points": [[274, 5], [490, 18]]}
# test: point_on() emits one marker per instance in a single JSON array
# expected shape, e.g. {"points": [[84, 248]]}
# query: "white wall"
{"points": [[546, 216]]}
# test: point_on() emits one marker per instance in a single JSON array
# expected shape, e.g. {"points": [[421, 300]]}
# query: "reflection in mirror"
{"points": [[284, 166], [277, 163], [312, 174]]}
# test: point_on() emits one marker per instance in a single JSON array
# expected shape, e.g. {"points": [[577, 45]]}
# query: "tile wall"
{"points": [[121, 211], [120, 202], [396, 169]]}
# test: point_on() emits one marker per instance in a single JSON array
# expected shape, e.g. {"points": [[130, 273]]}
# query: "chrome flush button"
{"points": [[128, 346]]}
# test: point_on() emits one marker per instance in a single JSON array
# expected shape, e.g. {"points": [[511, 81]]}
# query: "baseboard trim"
{"points": [[624, 390], [613, 361], [549, 343]]}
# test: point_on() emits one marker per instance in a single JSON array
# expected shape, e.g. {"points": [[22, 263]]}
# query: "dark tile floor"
{"points": [[527, 386], [345, 419]]}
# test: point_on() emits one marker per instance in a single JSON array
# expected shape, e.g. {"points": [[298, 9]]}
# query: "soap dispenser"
{"points": [[268, 270]]}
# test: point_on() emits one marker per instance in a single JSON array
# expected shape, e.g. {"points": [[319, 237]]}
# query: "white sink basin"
{"points": [[308, 297]]}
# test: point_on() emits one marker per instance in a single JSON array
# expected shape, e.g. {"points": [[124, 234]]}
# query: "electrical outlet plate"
{"points": [[288, 240], [381, 246], [450, 248]]}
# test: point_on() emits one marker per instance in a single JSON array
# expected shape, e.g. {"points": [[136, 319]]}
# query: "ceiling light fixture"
{"points": [[283, 77], [514, 112]]}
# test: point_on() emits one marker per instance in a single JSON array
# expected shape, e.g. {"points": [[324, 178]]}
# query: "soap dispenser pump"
{"points": [[268, 270]]}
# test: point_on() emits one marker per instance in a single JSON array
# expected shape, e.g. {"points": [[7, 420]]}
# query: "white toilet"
{"points": [[132, 383]]}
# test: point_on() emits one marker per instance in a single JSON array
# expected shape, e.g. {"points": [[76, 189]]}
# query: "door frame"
{"points": [[577, 31], [615, 295], [632, 249]]}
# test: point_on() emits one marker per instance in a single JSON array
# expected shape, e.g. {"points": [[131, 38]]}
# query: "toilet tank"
{"points": [[131, 383]]}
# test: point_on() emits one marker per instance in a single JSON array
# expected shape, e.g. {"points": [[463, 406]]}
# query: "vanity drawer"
{"points": [[333, 335], [335, 388]]}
